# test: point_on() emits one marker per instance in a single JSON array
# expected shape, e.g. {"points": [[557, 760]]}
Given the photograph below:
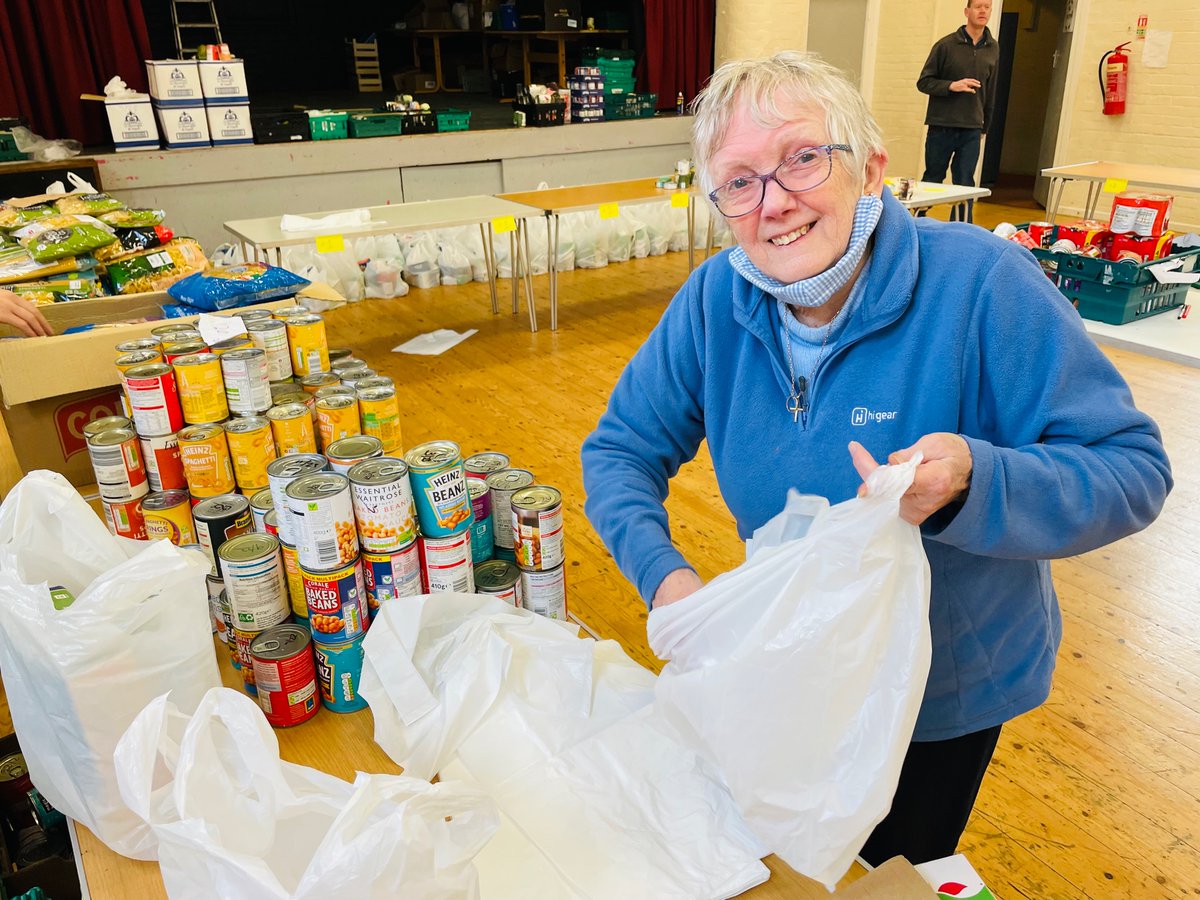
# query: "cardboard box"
{"points": [[414, 82], [230, 124], [174, 82], [131, 120], [183, 126], [223, 81]]}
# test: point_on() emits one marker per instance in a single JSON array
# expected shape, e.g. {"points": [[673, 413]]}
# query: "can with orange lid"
{"points": [[247, 388], [310, 350], [337, 418], [148, 343], [127, 361], [251, 450], [241, 342], [292, 426], [270, 336], [153, 399], [173, 350], [206, 463], [201, 388], [316, 381], [168, 516], [379, 412]]}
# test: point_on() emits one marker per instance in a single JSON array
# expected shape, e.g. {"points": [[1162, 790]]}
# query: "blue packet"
{"points": [[228, 287]]}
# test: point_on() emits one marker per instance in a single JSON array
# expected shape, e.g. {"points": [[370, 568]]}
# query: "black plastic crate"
{"points": [[280, 127], [542, 115], [419, 123]]}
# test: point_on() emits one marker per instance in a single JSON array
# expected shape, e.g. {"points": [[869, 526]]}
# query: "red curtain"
{"points": [[55, 50], [679, 48]]}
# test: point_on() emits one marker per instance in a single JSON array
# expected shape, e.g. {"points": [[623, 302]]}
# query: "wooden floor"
{"points": [[1096, 794]]}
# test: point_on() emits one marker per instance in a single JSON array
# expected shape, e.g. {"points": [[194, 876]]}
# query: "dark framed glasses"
{"points": [[802, 171]]}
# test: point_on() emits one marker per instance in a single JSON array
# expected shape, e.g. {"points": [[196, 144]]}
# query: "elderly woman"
{"points": [[838, 321]]}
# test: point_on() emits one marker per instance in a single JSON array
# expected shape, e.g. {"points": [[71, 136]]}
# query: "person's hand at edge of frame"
{"points": [[943, 476], [23, 315]]}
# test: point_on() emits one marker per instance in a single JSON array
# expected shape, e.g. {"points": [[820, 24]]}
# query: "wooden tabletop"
{"points": [[1167, 178], [592, 196]]}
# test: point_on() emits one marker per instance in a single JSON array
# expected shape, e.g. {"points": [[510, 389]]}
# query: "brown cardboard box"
{"points": [[896, 879], [414, 82]]}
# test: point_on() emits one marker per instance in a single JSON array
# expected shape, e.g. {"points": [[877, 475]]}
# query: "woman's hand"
{"points": [[23, 315], [676, 586], [943, 476]]}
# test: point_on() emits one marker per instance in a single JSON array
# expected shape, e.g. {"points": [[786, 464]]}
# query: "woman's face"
{"points": [[792, 236]]}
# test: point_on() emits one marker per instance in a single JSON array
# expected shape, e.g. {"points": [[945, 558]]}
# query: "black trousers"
{"points": [[938, 785], [957, 149]]}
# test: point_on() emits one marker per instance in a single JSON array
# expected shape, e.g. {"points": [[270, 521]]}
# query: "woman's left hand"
{"points": [[943, 476]]}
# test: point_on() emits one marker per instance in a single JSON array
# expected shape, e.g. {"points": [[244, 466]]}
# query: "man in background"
{"points": [[960, 79]]}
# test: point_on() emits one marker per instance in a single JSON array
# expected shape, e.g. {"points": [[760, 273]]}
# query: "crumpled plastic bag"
{"points": [[42, 150], [591, 240], [619, 237], [385, 279], [453, 263], [76, 677], [235, 821], [831, 626]]}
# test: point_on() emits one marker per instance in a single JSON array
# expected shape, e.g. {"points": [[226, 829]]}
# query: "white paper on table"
{"points": [[1156, 48], [351, 218], [1167, 273], [215, 329], [434, 343]]}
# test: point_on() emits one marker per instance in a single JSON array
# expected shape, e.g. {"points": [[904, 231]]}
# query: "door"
{"points": [[1054, 105], [994, 142]]}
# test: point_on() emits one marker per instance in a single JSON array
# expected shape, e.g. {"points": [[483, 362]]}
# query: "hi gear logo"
{"points": [[860, 415]]}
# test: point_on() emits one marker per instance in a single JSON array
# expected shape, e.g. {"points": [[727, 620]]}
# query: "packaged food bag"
{"points": [[88, 204], [135, 622], [16, 216], [157, 269], [72, 239], [226, 287], [133, 218]]}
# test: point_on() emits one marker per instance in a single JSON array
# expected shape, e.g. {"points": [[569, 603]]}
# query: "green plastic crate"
{"points": [[621, 86], [591, 56], [367, 125], [616, 68], [630, 106], [8, 148], [453, 120], [330, 126]]}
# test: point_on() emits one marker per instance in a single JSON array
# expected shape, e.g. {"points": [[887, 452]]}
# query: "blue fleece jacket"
{"points": [[958, 331]]}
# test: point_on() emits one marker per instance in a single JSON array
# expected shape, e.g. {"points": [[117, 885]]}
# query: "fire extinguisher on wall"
{"points": [[1113, 73]]}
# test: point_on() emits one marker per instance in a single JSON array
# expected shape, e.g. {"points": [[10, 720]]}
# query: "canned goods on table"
{"points": [[341, 364], [483, 543], [292, 426], [280, 474], [380, 413], [153, 399], [484, 464], [117, 463], [335, 390], [295, 581], [446, 563], [337, 602], [206, 463], [537, 524], [105, 423], [545, 593], [270, 336], [283, 391], [164, 465], [218, 519], [201, 388], [124, 518], [382, 496], [339, 668], [345, 453], [499, 578], [439, 487], [393, 574], [285, 674], [245, 662], [261, 502], [247, 388], [178, 350], [504, 484], [323, 520], [168, 516], [337, 418], [251, 450], [254, 581], [306, 337], [351, 377]]}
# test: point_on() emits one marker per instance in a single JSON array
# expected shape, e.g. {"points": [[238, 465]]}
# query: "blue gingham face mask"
{"points": [[816, 291]]}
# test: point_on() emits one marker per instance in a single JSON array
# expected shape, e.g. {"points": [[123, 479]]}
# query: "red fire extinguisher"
{"points": [[1113, 73]]}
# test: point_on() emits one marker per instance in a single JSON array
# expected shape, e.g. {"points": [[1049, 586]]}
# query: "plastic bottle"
{"points": [[680, 104]]}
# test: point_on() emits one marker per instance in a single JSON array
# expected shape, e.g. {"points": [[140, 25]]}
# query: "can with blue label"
{"points": [[337, 602], [339, 668], [482, 539], [439, 485], [391, 575]]}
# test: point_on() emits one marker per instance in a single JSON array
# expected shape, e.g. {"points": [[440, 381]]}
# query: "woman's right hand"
{"points": [[677, 585], [23, 315]]}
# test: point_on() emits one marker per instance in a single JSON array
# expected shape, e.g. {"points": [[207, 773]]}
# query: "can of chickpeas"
{"points": [[383, 504], [537, 527], [323, 519], [439, 486], [337, 602]]}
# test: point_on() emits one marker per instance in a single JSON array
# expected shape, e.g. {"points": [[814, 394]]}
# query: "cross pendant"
{"points": [[794, 407]]}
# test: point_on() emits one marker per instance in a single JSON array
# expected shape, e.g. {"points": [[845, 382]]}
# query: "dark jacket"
{"points": [[952, 58]]}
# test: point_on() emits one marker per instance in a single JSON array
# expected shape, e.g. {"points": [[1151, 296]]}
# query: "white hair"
{"points": [[766, 84]]}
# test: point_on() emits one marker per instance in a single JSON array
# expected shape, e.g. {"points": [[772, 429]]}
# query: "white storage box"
{"points": [[131, 120], [183, 126], [230, 124], [223, 81], [174, 82]]}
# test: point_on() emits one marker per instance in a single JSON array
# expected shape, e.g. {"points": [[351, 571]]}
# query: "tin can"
{"points": [[134, 358], [384, 514], [1005, 230], [168, 516], [171, 328], [245, 662], [337, 418], [439, 488], [153, 399], [247, 389], [201, 388], [483, 543], [180, 349], [323, 516], [1063, 246], [164, 465], [124, 518], [286, 312], [344, 453], [251, 450], [117, 464], [271, 523], [380, 413], [295, 582], [343, 363], [375, 381], [282, 392], [391, 575], [227, 618], [312, 383], [499, 578], [537, 523], [292, 425], [339, 667], [105, 423], [216, 587], [15, 783], [261, 503], [337, 602], [351, 377], [206, 463], [336, 390], [446, 563], [270, 336], [253, 314], [254, 581], [504, 484], [241, 342], [285, 674], [133, 346], [340, 353], [545, 593], [1041, 232], [280, 474], [481, 465], [306, 337], [219, 519]]}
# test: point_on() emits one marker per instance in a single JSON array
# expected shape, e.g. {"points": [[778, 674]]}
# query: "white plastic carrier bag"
{"points": [[800, 673], [76, 677]]}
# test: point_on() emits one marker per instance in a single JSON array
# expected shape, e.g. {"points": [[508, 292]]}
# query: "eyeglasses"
{"points": [[802, 171]]}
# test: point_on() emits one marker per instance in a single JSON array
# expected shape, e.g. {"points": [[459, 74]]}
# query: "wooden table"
{"points": [[264, 235], [587, 197], [1162, 178]]}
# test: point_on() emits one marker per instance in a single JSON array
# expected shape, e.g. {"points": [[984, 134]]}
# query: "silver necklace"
{"points": [[797, 402]]}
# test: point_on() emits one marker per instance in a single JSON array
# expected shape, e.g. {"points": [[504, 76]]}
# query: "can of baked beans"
{"points": [[251, 450], [280, 474], [380, 414], [295, 581], [240, 342], [286, 312], [117, 464], [124, 518], [337, 602], [247, 389], [133, 346], [537, 524], [316, 381], [323, 516], [153, 399], [345, 453], [176, 350], [390, 575], [310, 350], [545, 593], [286, 675], [446, 563], [270, 336], [261, 502], [219, 519], [339, 667], [292, 426], [483, 544], [481, 465], [439, 487], [206, 463], [134, 358], [337, 418], [384, 514], [504, 484], [168, 516], [105, 423], [501, 579], [201, 388], [245, 662], [254, 581], [164, 465]]}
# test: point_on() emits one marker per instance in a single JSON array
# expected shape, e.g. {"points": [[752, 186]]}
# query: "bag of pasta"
{"points": [[15, 216], [67, 239], [87, 204], [157, 269], [133, 218], [134, 240]]}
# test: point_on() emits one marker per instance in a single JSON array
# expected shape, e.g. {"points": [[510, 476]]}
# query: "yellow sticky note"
{"points": [[331, 243], [679, 200], [1115, 185], [609, 211], [504, 224]]}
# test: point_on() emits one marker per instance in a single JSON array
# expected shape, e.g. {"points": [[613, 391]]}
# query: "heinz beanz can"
{"points": [[499, 578], [383, 504], [285, 674], [537, 525], [339, 667], [504, 484], [482, 542], [280, 474], [337, 603], [392, 575], [446, 563], [323, 516], [254, 581], [439, 486]]}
